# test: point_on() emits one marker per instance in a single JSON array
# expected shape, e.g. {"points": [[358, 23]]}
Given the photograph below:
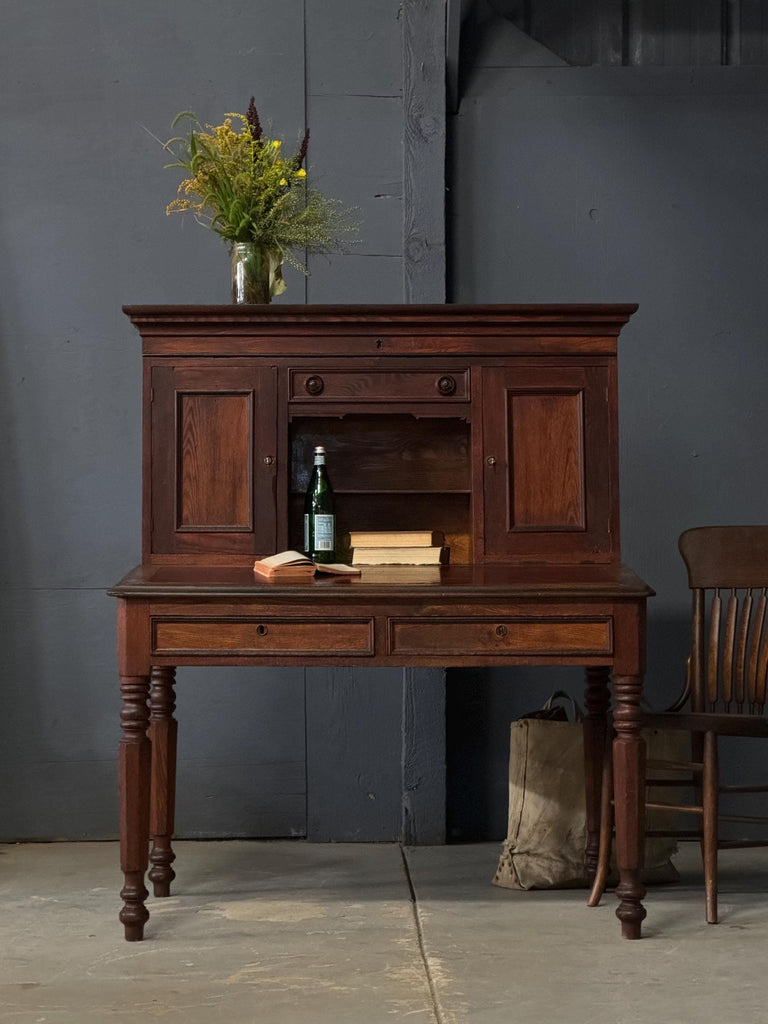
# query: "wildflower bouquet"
{"points": [[239, 184]]}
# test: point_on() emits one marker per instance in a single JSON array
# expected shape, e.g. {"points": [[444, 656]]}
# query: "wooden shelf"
{"points": [[381, 491]]}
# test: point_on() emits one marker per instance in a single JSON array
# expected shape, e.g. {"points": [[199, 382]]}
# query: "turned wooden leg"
{"points": [[629, 802], [596, 700], [162, 732], [134, 772]]}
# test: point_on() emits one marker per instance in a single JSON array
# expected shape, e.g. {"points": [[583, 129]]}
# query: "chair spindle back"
{"points": [[728, 574]]}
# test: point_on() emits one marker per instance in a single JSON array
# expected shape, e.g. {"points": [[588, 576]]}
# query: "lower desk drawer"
{"points": [[262, 636], [512, 636]]}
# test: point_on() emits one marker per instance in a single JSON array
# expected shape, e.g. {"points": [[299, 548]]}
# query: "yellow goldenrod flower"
{"points": [[238, 183]]}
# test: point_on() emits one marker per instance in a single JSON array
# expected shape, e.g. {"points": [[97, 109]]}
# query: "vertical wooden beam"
{"points": [[423, 818], [424, 105], [424, 280], [353, 771], [452, 53]]}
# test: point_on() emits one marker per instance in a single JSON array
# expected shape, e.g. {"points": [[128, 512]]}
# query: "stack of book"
{"points": [[398, 547]]}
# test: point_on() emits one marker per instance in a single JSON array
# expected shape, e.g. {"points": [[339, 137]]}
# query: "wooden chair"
{"points": [[725, 691]]}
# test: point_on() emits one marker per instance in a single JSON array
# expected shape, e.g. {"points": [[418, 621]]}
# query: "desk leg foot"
{"points": [[596, 701], [134, 914], [161, 874], [162, 731], [631, 929], [629, 802], [134, 774]]}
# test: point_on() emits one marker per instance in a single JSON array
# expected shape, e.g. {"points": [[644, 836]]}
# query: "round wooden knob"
{"points": [[446, 385], [262, 630], [501, 631], [314, 385]]}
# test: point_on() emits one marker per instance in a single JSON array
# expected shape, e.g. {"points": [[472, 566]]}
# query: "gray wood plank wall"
{"points": [[642, 184], [564, 185], [86, 232]]}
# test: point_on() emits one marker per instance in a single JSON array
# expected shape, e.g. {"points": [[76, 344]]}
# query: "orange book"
{"points": [[293, 565]]}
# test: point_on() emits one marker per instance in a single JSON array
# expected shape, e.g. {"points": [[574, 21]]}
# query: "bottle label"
{"points": [[324, 531]]}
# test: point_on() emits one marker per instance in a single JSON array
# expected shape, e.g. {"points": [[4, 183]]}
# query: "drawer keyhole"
{"points": [[501, 631], [262, 630]]}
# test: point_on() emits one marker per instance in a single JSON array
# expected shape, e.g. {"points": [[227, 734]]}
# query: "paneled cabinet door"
{"points": [[213, 460], [549, 464]]}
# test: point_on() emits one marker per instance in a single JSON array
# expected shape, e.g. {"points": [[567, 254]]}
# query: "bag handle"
{"points": [[578, 714], [554, 713]]}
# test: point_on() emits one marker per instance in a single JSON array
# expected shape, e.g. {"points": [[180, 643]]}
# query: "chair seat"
{"points": [[722, 724]]}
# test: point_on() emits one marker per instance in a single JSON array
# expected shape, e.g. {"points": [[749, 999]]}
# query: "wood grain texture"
{"points": [[266, 635], [726, 690], [214, 460], [212, 450], [725, 556], [354, 785], [550, 464], [334, 385], [423, 756], [134, 785], [547, 477], [729, 668], [424, 28], [163, 730], [549, 601], [394, 453], [500, 635]]}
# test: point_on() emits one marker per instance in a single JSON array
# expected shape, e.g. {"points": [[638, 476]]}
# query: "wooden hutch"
{"points": [[497, 425]]}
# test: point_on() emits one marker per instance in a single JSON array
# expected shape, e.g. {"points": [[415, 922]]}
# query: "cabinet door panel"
{"points": [[548, 476], [546, 467], [215, 446], [213, 443]]}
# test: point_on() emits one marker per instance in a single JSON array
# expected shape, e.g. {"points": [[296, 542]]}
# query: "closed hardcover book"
{"points": [[401, 574], [430, 555], [395, 538], [294, 565]]}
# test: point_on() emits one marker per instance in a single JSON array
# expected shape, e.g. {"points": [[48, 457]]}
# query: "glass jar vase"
{"points": [[256, 273]]}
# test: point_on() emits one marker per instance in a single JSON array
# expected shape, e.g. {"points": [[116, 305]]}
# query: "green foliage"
{"points": [[239, 184]]}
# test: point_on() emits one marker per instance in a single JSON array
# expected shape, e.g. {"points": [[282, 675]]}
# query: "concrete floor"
{"points": [[287, 932]]}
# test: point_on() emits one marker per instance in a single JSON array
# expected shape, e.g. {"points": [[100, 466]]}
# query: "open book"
{"points": [[292, 564]]}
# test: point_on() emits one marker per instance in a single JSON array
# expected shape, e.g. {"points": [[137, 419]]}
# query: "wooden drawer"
{"points": [[268, 636], [513, 636], [379, 385]]}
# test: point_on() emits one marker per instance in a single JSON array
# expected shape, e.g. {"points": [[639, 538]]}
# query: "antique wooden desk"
{"points": [[494, 424]]}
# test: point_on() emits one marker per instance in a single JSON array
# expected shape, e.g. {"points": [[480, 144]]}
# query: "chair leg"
{"points": [[606, 827], [710, 792]]}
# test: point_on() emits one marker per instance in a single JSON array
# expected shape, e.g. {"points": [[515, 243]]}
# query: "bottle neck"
{"points": [[319, 460]]}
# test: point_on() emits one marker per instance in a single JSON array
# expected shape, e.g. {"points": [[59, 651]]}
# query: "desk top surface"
{"points": [[613, 580]]}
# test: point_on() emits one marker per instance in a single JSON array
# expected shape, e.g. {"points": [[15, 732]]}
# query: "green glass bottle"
{"points": [[319, 518]]}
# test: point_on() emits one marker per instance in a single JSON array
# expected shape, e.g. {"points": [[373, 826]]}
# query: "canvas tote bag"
{"points": [[547, 828]]}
